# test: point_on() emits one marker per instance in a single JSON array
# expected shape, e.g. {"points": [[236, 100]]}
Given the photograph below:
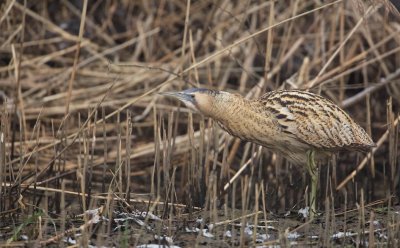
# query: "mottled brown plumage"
{"points": [[290, 122]]}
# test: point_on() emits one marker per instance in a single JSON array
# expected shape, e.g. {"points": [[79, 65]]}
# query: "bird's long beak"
{"points": [[170, 93], [184, 97], [178, 95]]}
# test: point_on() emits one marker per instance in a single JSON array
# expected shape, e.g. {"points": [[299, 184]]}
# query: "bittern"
{"points": [[301, 126]]}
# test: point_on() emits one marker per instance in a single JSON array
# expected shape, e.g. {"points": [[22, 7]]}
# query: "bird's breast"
{"points": [[249, 125], [257, 126]]}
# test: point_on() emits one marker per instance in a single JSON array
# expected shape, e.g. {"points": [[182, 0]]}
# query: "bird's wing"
{"points": [[315, 120]]}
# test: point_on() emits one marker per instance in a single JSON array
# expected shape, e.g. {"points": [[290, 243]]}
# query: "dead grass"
{"points": [[87, 146]]}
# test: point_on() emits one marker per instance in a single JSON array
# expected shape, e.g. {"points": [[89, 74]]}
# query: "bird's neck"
{"points": [[224, 108], [238, 116]]}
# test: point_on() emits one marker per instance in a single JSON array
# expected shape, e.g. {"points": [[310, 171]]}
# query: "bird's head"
{"points": [[197, 99]]}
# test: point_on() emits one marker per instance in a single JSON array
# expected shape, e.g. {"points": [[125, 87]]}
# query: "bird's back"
{"points": [[290, 122], [314, 120]]}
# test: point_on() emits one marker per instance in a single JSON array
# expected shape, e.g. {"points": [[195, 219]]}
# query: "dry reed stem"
{"points": [[362, 164]]}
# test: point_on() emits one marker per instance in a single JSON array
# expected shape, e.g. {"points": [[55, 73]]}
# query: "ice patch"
{"points": [[192, 230], [169, 240], [382, 235], [248, 230], [342, 235], [304, 212], [293, 235], [207, 234], [262, 238], [70, 241]]}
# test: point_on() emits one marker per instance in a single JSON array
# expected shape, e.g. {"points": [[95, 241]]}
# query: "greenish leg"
{"points": [[313, 171]]}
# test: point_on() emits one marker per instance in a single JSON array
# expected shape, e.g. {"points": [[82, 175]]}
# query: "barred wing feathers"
{"points": [[315, 120]]}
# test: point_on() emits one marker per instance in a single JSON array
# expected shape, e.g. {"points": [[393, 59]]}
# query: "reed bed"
{"points": [[91, 155]]}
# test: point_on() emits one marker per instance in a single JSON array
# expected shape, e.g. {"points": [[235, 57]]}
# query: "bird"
{"points": [[305, 128]]}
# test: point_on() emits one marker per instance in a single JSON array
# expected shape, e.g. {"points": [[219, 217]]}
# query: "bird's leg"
{"points": [[313, 171]]}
